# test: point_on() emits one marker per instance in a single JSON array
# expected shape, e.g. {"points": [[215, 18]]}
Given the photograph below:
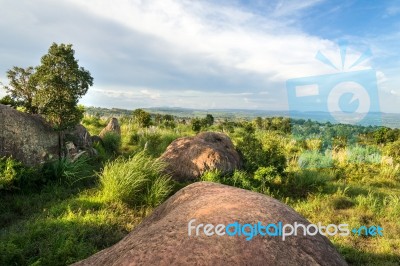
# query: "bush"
{"points": [[315, 159], [241, 179], [261, 154], [393, 150], [155, 143], [265, 176], [137, 181], [10, 172], [112, 142], [134, 139], [300, 184], [360, 154], [212, 176], [101, 152]]}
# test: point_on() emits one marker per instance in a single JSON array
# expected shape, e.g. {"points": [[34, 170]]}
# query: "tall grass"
{"points": [[112, 142], [68, 171], [138, 181]]}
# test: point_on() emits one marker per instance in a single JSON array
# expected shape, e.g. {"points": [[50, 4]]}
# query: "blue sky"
{"points": [[204, 54]]}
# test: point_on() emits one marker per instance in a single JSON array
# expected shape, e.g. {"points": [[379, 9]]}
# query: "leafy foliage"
{"points": [[142, 117], [22, 88], [10, 172], [61, 83]]}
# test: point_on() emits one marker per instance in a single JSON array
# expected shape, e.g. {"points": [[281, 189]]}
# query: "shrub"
{"points": [[252, 152], [112, 142], [360, 154], [10, 172], [263, 153], [134, 139], [155, 143], [393, 150], [101, 151], [241, 179], [137, 181], [265, 177], [300, 184], [212, 176], [315, 159]]}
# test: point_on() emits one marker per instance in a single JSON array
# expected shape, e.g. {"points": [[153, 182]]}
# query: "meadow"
{"points": [[65, 211]]}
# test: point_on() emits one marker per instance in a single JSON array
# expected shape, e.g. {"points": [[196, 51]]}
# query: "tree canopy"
{"points": [[51, 89], [61, 82], [22, 88], [142, 117]]}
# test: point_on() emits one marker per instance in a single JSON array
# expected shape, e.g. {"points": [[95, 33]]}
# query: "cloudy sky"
{"points": [[205, 54]]}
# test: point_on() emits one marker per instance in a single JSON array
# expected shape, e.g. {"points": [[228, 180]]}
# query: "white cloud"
{"points": [[175, 52], [226, 36]]}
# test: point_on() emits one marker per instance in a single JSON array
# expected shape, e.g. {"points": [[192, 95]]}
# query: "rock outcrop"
{"points": [[112, 126], [162, 238], [80, 137], [188, 158], [27, 138]]}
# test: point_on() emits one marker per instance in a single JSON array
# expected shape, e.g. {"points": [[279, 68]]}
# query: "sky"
{"points": [[228, 54]]}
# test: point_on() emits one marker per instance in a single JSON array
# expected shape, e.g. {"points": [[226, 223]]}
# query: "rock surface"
{"points": [[80, 137], [162, 238], [27, 138], [188, 158], [112, 126]]}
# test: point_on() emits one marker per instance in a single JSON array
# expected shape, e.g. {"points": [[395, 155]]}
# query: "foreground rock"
{"points": [[27, 138], [162, 238], [188, 158], [112, 127], [78, 142]]}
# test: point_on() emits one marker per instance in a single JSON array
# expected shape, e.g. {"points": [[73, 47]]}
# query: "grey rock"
{"points": [[27, 138]]}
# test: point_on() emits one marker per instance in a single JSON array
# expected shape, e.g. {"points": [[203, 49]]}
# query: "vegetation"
{"points": [[65, 211], [60, 84], [137, 181], [22, 88]]}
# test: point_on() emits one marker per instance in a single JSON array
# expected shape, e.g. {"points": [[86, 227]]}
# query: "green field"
{"points": [[66, 211]]}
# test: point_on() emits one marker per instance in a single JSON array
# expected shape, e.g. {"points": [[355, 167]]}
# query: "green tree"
{"points": [[142, 117], [61, 82], [209, 120], [7, 100], [196, 125], [258, 122], [22, 87]]}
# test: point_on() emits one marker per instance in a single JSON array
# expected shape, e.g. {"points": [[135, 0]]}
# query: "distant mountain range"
{"points": [[391, 120]]}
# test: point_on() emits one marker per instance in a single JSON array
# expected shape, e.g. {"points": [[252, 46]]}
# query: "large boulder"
{"points": [[112, 127], [27, 138], [80, 137], [162, 238], [188, 158]]}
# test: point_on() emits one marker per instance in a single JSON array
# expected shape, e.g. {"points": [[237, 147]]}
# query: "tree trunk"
{"points": [[60, 144]]}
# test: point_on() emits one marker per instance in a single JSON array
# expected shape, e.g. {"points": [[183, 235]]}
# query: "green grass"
{"points": [[137, 181], [63, 228], [57, 216]]}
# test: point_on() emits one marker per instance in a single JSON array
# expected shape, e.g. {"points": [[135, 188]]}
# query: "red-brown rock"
{"points": [[162, 238], [190, 157]]}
